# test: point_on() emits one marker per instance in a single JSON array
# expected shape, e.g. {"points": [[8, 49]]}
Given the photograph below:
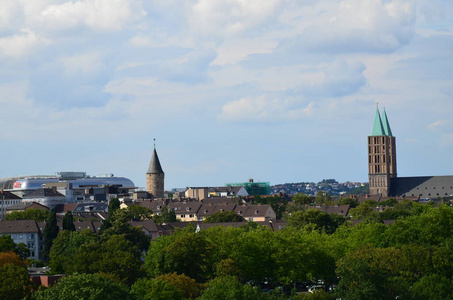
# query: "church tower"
{"points": [[381, 156], [155, 177]]}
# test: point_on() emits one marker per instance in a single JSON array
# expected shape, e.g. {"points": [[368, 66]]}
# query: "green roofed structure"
{"points": [[381, 155]]}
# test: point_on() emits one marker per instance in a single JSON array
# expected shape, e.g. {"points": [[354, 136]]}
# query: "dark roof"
{"points": [[91, 207], [220, 200], [18, 226], [154, 166], [26, 205], [425, 186], [334, 209], [254, 210], [148, 225], [184, 207], [63, 208], [153, 205], [44, 192], [9, 196], [209, 209]]}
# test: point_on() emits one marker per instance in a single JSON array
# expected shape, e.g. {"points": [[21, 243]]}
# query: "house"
{"points": [[227, 191], [185, 211], [341, 210], [209, 209], [24, 231], [7, 199], [23, 206], [62, 209], [256, 213]]}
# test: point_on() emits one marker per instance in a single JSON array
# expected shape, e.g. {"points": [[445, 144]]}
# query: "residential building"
{"points": [[24, 231]]}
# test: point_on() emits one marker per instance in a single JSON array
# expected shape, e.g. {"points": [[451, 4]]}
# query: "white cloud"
{"points": [[21, 44], [83, 64], [441, 124], [96, 14], [262, 109], [231, 17], [362, 26]]}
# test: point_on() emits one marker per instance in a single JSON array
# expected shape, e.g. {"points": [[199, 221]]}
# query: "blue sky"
{"points": [[277, 90]]}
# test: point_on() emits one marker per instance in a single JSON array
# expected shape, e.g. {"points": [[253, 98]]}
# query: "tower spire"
{"points": [[385, 124], [378, 129]]}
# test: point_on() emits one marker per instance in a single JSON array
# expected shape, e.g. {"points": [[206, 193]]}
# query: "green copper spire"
{"points": [[386, 125], [378, 129]]}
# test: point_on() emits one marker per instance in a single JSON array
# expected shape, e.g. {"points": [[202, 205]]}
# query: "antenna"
{"points": [[154, 143]]}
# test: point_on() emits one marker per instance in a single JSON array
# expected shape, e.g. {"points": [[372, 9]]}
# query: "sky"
{"points": [[279, 91]]}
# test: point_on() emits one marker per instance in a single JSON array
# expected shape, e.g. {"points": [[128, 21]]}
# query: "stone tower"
{"points": [[381, 156], [155, 177]]}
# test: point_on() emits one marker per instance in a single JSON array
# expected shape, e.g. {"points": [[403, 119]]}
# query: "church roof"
{"points": [[385, 124], [378, 129], [381, 126], [154, 165]]}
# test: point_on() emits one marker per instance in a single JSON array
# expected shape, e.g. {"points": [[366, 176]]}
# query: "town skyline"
{"points": [[278, 92]]}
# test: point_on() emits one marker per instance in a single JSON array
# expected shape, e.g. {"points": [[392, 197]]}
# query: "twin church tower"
{"points": [[381, 156]]}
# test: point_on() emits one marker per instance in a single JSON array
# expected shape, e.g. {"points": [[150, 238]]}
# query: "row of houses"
{"points": [[190, 211]]}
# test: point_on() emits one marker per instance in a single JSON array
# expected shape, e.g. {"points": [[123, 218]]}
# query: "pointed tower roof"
{"points": [[386, 125], [154, 165], [378, 129]]}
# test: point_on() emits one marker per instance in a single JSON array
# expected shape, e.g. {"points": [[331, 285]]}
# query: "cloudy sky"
{"points": [[276, 90]]}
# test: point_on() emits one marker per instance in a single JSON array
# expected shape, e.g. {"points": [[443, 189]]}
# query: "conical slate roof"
{"points": [[154, 165], [386, 125], [378, 129]]}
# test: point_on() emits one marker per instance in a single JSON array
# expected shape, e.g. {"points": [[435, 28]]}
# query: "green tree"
{"points": [[50, 233], [7, 244], [365, 212], [224, 216], [154, 289], [433, 287], [322, 197], [64, 249], [187, 286], [229, 288], [137, 212], [315, 219], [352, 202], [84, 286], [114, 205], [183, 252], [15, 282], [116, 257], [302, 199], [167, 215], [68, 221], [39, 215], [119, 225]]}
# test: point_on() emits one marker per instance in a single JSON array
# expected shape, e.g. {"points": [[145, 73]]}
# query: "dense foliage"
{"points": [[409, 259]]}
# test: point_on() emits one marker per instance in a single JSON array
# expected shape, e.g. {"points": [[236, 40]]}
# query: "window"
{"points": [[191, 215], [31, 236], [183, 216], [31, 246]]}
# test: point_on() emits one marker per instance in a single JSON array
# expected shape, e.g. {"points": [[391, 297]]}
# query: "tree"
{"points": [[229, 288], [187, 286], [316, 219], [64, 249], [167, 215], [68, 221], [113, 206], [182, 252], [154, 289], [322, 198], [84, 286], [11, 258], [137, 212], [39, 215], [119, 225], [116, 257], [302, 199], [365, 212], [224, 216], [50, 233], [7, 244], [432, 287], [15, 282]]}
